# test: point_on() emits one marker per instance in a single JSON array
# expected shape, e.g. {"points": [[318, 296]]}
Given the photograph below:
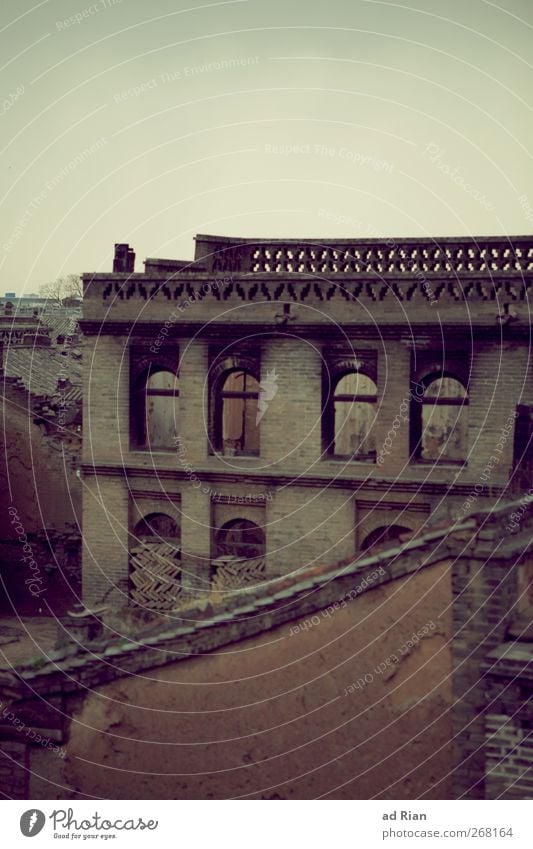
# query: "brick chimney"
{"points": [[124, 259]]}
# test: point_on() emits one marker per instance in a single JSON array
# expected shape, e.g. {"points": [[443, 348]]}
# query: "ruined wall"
{"points": [[509, 753], [297, 327], [280, 715], [309, 517], [42, 494], [485, 588], [509, 698]]}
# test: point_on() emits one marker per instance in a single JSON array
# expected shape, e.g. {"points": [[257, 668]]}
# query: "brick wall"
{"points": [[196, 536], [485, 592], [105, 541], [291, 431], [394, 363], [509, 744], [193, 405], [496, 387], [14, 769], [105, 398], [303, 524], [308, 526]]}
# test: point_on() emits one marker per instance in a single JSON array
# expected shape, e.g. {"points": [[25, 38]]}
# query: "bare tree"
{"points": [[74, 286], [64, 287]]}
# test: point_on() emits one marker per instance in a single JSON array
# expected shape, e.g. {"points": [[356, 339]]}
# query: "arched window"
{"points": [[379, 537], [157, 409], [157, 526], [240, 539], [444, 420], [354, 404], [237, 424]]}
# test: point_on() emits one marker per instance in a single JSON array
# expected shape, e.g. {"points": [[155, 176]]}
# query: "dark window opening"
{"points": [[157, 526], [240, 539], [382, 537]]}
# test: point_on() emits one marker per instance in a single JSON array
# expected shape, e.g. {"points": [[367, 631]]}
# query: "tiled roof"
{"points": [[38, 368], [204, 629], [61, 322]]}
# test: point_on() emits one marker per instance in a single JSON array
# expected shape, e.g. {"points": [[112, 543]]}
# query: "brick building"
{"points": [[272, 405]]}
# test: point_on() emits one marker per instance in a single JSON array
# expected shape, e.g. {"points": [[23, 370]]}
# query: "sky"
{"points": [[147, 123]]}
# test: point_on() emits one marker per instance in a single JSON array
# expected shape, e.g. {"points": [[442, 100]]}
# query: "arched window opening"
{"points": [[383, 537], [444, 420], [157, 409], [157, 526], [238, 425], [240, 539], [240, 556], [354, 404]]}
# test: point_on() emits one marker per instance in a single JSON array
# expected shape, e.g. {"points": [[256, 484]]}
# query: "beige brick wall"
{"points": [[105, 398], [193, 400], [496, 387], [291, 426], [308, 527], [105, 540], [394, 363], [303, 524]]}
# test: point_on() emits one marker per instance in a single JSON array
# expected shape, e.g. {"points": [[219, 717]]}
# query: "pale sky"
{"points": [[150, 122]]}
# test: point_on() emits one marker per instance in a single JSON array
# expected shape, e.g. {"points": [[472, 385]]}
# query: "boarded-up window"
{"points": [[155, 563]]}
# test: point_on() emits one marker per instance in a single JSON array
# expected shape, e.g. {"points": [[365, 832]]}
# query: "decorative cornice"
{"points": [[156, 494], [301, 287], [413, 506], [355, 483], [325, 330]]}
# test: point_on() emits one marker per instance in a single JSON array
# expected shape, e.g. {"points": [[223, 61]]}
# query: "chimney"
{"points": [[124, 260]]}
